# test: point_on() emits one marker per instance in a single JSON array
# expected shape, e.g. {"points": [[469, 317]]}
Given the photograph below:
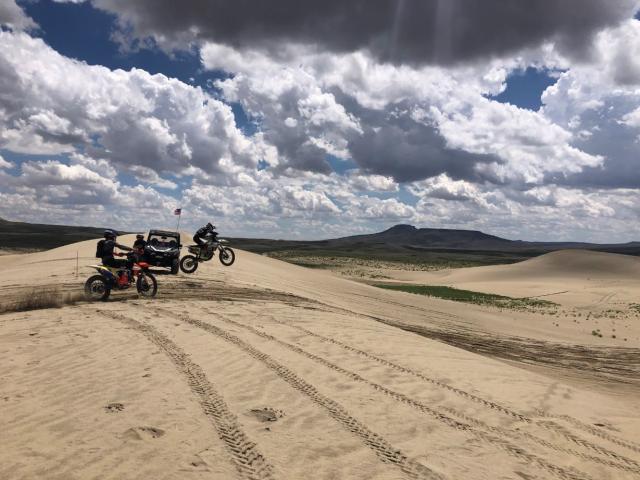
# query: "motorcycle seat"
{"points": [[114, 270]]}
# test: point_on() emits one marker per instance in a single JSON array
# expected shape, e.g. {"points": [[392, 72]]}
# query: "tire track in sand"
{"points": [[386, 452], [244, 454], [596, 432], [553, 426], [492, 405], [514, 450]]}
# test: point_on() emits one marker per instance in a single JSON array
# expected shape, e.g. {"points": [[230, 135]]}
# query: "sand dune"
{"points": [[577, 278], [578, 265], [268, 370]]}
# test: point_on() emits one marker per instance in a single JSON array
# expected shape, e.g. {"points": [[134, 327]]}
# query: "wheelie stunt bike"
{"points": [[99, 287], [204, 253]]}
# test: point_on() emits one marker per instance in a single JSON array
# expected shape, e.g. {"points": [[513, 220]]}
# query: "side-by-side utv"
{"points": [[163, 250]]}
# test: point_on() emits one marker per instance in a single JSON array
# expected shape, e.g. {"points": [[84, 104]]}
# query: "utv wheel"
{"points": [[147, 285], [96, 288], [227, 256], [189, 264], [175, 267]]}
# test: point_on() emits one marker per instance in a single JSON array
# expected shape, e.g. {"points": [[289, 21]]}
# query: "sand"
{"points": [[268, 370], [577, 278]]}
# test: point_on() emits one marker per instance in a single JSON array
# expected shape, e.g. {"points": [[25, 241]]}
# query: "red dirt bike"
{"points": [[98, 287]]}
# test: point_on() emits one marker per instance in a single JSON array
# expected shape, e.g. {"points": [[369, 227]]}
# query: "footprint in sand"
{"points": [[266, 414], [140, 433], [114, 407]]}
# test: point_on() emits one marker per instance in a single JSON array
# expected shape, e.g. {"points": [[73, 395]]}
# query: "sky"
{"points": [[312, 120]]}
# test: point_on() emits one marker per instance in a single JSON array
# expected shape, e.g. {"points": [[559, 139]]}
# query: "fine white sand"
{"points": [[268, 370]]}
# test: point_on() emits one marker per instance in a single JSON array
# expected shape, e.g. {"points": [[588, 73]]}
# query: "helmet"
{"points": [[209, 226], [139, 236], [110, 234]]}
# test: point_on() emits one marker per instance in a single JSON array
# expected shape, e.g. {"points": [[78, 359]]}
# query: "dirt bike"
{"points": [[204, 253], [98, 287]]}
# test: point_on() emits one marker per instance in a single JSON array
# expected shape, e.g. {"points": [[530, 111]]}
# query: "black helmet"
{"points": [[140, 236], [209, 226], [110, 234]]}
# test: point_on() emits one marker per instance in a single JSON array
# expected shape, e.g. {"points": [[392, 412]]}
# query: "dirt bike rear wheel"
{"points": [[227, 256], [147, 285], [189, 264], [96, 288]]}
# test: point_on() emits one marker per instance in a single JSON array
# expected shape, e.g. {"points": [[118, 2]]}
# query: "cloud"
{"points": [[398, 121], [344, 142], [405, 31], [632, 119], [4, 163], [80, 193], [301, 120], [130, 118], [598, 104], [395, 145], [377, 183], [14, 17]]}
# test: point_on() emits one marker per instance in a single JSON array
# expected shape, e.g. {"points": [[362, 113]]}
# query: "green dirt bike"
{"points": [[99, 287], [204, 253]]}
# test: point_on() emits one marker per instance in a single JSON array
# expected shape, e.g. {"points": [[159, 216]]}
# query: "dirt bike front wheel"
{"points": [[96, 288], [147, 285], [175, 267], [189, 264], [227, 256]]}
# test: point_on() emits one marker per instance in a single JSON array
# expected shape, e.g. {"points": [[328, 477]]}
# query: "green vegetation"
{"points": [[396, 260], [301, 263], [467, 296]]}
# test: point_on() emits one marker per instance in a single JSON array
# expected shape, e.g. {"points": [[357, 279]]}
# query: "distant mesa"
{"points": [[401, 228]]}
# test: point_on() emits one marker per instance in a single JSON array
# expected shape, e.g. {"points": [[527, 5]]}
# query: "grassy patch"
{"points": [[311, 265], [38, 299], [341, 262], [467, 296]]}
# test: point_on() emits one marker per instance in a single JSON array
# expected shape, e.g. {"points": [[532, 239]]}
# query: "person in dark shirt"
{"points": [[202, 233], [140, 242], [138, 247], [108, 246]]}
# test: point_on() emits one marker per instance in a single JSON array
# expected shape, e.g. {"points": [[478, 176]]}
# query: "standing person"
{"points": [[140, 242], [138, 246], [202, 233]]}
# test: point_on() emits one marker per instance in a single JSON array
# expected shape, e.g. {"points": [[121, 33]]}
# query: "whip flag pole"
{"points": [[178, 212]]}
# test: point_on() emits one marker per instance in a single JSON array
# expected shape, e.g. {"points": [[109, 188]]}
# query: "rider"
{"points": [[108, 254], [202, 233]]}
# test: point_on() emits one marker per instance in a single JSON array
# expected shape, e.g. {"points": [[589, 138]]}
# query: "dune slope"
{"points": [[267, 370]]}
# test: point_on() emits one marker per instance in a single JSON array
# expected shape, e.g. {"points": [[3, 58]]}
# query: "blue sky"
{"points": [[289, 132], [83, 32], [524, 88]]}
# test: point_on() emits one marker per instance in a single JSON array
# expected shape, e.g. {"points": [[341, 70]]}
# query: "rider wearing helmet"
{"points": [[140, 242], [108, 254], [202, 233]]}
